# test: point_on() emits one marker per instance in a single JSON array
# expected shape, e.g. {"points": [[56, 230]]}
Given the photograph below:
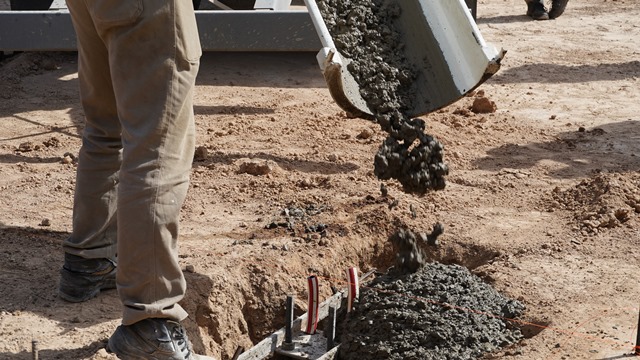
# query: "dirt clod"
{"points": [[483, 105]]}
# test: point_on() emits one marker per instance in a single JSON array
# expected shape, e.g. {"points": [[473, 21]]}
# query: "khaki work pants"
{"points": [[138, 60]]}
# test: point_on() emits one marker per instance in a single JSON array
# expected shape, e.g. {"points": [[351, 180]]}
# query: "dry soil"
{"points": [[542, 199]]}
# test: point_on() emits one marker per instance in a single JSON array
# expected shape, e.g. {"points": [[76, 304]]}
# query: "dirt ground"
{"points": [[542, 200]]}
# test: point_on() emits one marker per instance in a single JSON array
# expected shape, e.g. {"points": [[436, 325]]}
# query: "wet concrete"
{"points": [[420, 310], [440, 312], [409, 253], [416, 310], [364, 32]]}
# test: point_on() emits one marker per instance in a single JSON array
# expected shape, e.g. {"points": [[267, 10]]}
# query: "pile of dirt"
{"points": [[439, 312], [31, 63], [602, 202]]}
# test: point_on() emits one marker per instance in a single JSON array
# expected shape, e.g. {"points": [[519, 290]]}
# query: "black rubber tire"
{"points": [[196, 4], [31, 4], [239, 4], [557, 8]]}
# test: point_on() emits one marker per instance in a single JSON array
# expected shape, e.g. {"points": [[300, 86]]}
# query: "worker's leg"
{"points": [[153, 57], [90, 251], [154, 53]]}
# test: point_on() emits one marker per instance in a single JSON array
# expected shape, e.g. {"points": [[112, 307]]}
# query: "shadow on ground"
{"points": [[30, 260], [503, 19], [612, 147], [289, 164], [563, 74]]}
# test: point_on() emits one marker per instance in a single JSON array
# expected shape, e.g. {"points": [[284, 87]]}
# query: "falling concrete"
{"points": [[364, 32]]}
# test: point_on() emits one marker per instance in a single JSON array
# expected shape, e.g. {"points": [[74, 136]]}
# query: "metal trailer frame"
{"points": [[269, 27], [220, 30]]}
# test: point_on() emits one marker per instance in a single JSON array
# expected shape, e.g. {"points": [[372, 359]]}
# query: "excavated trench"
{"points": [[424, 303]]}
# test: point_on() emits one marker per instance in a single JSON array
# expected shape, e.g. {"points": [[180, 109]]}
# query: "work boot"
{"points": [[82, 279], [537, 10], [557, 8], [152, 339]]}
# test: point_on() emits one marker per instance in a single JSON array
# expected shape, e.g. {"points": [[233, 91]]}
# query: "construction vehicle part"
{"points": [[342, 86], [272, 26], [239, 4], [473, 7], [442, 43], [223, 30], [255, 4], [30, 4]]}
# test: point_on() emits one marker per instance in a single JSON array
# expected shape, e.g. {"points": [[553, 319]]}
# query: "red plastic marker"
{"points": [[312, 319]]}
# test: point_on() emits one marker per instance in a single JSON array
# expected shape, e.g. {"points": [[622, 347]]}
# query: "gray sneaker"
{"points": [[152, 339], [82, 279]]}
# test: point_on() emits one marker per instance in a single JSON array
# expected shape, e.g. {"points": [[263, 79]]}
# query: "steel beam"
{"points": [[224, 30]]}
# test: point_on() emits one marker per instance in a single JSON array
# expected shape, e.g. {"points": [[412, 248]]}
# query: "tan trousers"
{"points": [[138, 60]]}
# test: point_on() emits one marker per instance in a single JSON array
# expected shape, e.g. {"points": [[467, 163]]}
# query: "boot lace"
{"points": [[182, 341]]}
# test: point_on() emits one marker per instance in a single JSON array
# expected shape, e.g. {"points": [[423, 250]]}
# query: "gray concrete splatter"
{"points": [[409, 255], [364, 31]]}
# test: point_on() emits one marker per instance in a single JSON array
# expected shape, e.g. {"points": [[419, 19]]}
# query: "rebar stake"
{"points": [[331, 327], [637, 350], [239, 351], [288, 325], [34, 349]]}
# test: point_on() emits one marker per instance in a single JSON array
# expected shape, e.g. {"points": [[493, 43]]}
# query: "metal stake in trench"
{"points": [[353, 288], [288, 343], [312, 318], [34, 349], [637, 352], [330, 332]]}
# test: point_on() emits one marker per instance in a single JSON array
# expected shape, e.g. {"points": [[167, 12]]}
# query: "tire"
{"points": [[557, 8], [31, 4], [240, 4]]}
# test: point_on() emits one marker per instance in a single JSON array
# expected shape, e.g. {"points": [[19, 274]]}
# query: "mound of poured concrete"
{"points": [[439, 312]]}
